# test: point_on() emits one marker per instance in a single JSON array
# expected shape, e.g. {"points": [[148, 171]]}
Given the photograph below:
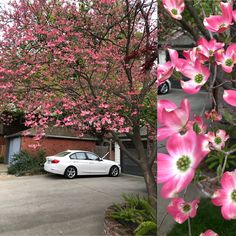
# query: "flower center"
{"points": [[228, 62], [217, 140], [174, 11], [211, 52], [233, 195], [198, 78], [183, 163], [186, 207], [221, 26]]}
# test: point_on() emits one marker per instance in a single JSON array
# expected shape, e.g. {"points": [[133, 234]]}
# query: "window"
{"points": [[80, 156], [92, 156], [62, 154], [73, 156]]}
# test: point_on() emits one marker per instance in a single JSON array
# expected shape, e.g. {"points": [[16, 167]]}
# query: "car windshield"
{"points": [[62, 154]]}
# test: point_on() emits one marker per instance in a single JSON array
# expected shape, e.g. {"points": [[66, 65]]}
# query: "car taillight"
{"points": [[55, 161]]}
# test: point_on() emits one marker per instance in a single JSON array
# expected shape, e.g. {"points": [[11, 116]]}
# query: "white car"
{"points": [[71, 163]]}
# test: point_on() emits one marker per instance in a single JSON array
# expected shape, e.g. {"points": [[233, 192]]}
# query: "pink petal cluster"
{"points": [[227, 59], [174, 8], [173, 120], [213, 115], [197, 125], [164, 104], [181, 210], [207, 49], [209, 233], [164, 71], [177, 168], [198, 75], [220, 23], [218, 139], [226, 196], [230, 97]]}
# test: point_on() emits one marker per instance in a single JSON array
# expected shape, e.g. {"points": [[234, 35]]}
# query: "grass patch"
{"points": [[208, 217]]}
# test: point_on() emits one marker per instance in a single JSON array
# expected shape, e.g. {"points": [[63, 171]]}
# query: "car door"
{"points": [[81, 162], [96, 164]]}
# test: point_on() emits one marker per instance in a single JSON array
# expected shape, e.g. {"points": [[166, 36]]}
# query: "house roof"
{"points": [[54, 132]]}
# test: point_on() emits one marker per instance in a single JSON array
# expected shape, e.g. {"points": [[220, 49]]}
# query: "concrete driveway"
{"points": [[51, 205]]}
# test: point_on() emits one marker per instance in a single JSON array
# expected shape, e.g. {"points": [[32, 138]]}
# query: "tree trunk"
{"points": [[151, 184]]}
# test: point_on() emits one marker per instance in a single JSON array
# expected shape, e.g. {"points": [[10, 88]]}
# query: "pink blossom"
{"points": [[164, 71], [227, 59], [176, 169], [209, 233], [226, 196], [173, 121], [213, 115], [208, 49], [220, 23], [230, 97], [198, 75], [197, 125], [181, 210], [164, 104], [218, 139], [174, 8]]}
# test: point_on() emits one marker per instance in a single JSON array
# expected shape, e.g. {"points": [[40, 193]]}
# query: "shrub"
{"points": [[24, 163], [137, 213], [1, 159]]}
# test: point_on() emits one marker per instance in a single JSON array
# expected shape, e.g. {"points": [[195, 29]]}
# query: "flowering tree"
{"points": [[83, 64], [189, 141]]}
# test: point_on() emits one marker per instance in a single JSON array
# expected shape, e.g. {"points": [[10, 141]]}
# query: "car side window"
{"points": [[73, 156], [80, 156], [92, 156]]}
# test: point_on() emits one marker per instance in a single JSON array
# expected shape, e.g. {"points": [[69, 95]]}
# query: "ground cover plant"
{"points": [[191, 139], [136, 213]]}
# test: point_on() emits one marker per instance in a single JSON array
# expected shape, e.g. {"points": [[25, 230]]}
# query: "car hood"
{"points": [[111, 162]]}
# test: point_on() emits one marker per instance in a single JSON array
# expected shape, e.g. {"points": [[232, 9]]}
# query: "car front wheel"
{"points": [[70, 172], [164, 88], [114, 171]]}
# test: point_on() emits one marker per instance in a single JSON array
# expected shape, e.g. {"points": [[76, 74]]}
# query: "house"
{"points": [[54, 141]]}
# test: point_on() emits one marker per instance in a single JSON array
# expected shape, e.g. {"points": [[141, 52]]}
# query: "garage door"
{"points": [[14, 148]]}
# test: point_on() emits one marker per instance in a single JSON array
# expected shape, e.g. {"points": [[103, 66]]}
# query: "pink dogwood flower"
{"points": [[209, 232], [197, 125], [174, 8], [174, 120], [208, 48], [226, 196], [164, 71], [230, 97], [220, 23], [213, 115], [218, 139], [227, 59], [177, 168], [181, 210], [198, 75], [164, 104]]}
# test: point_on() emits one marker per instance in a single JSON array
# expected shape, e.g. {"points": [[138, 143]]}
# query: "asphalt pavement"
{"points": [[52, 205]]}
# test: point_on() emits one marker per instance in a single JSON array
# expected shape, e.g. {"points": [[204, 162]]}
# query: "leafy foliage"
{"points": [[138, 212], [25, 163]]}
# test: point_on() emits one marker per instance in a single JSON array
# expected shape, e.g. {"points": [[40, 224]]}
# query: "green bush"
{"points": [[26, 164], [1, 159], [137, 213]]}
